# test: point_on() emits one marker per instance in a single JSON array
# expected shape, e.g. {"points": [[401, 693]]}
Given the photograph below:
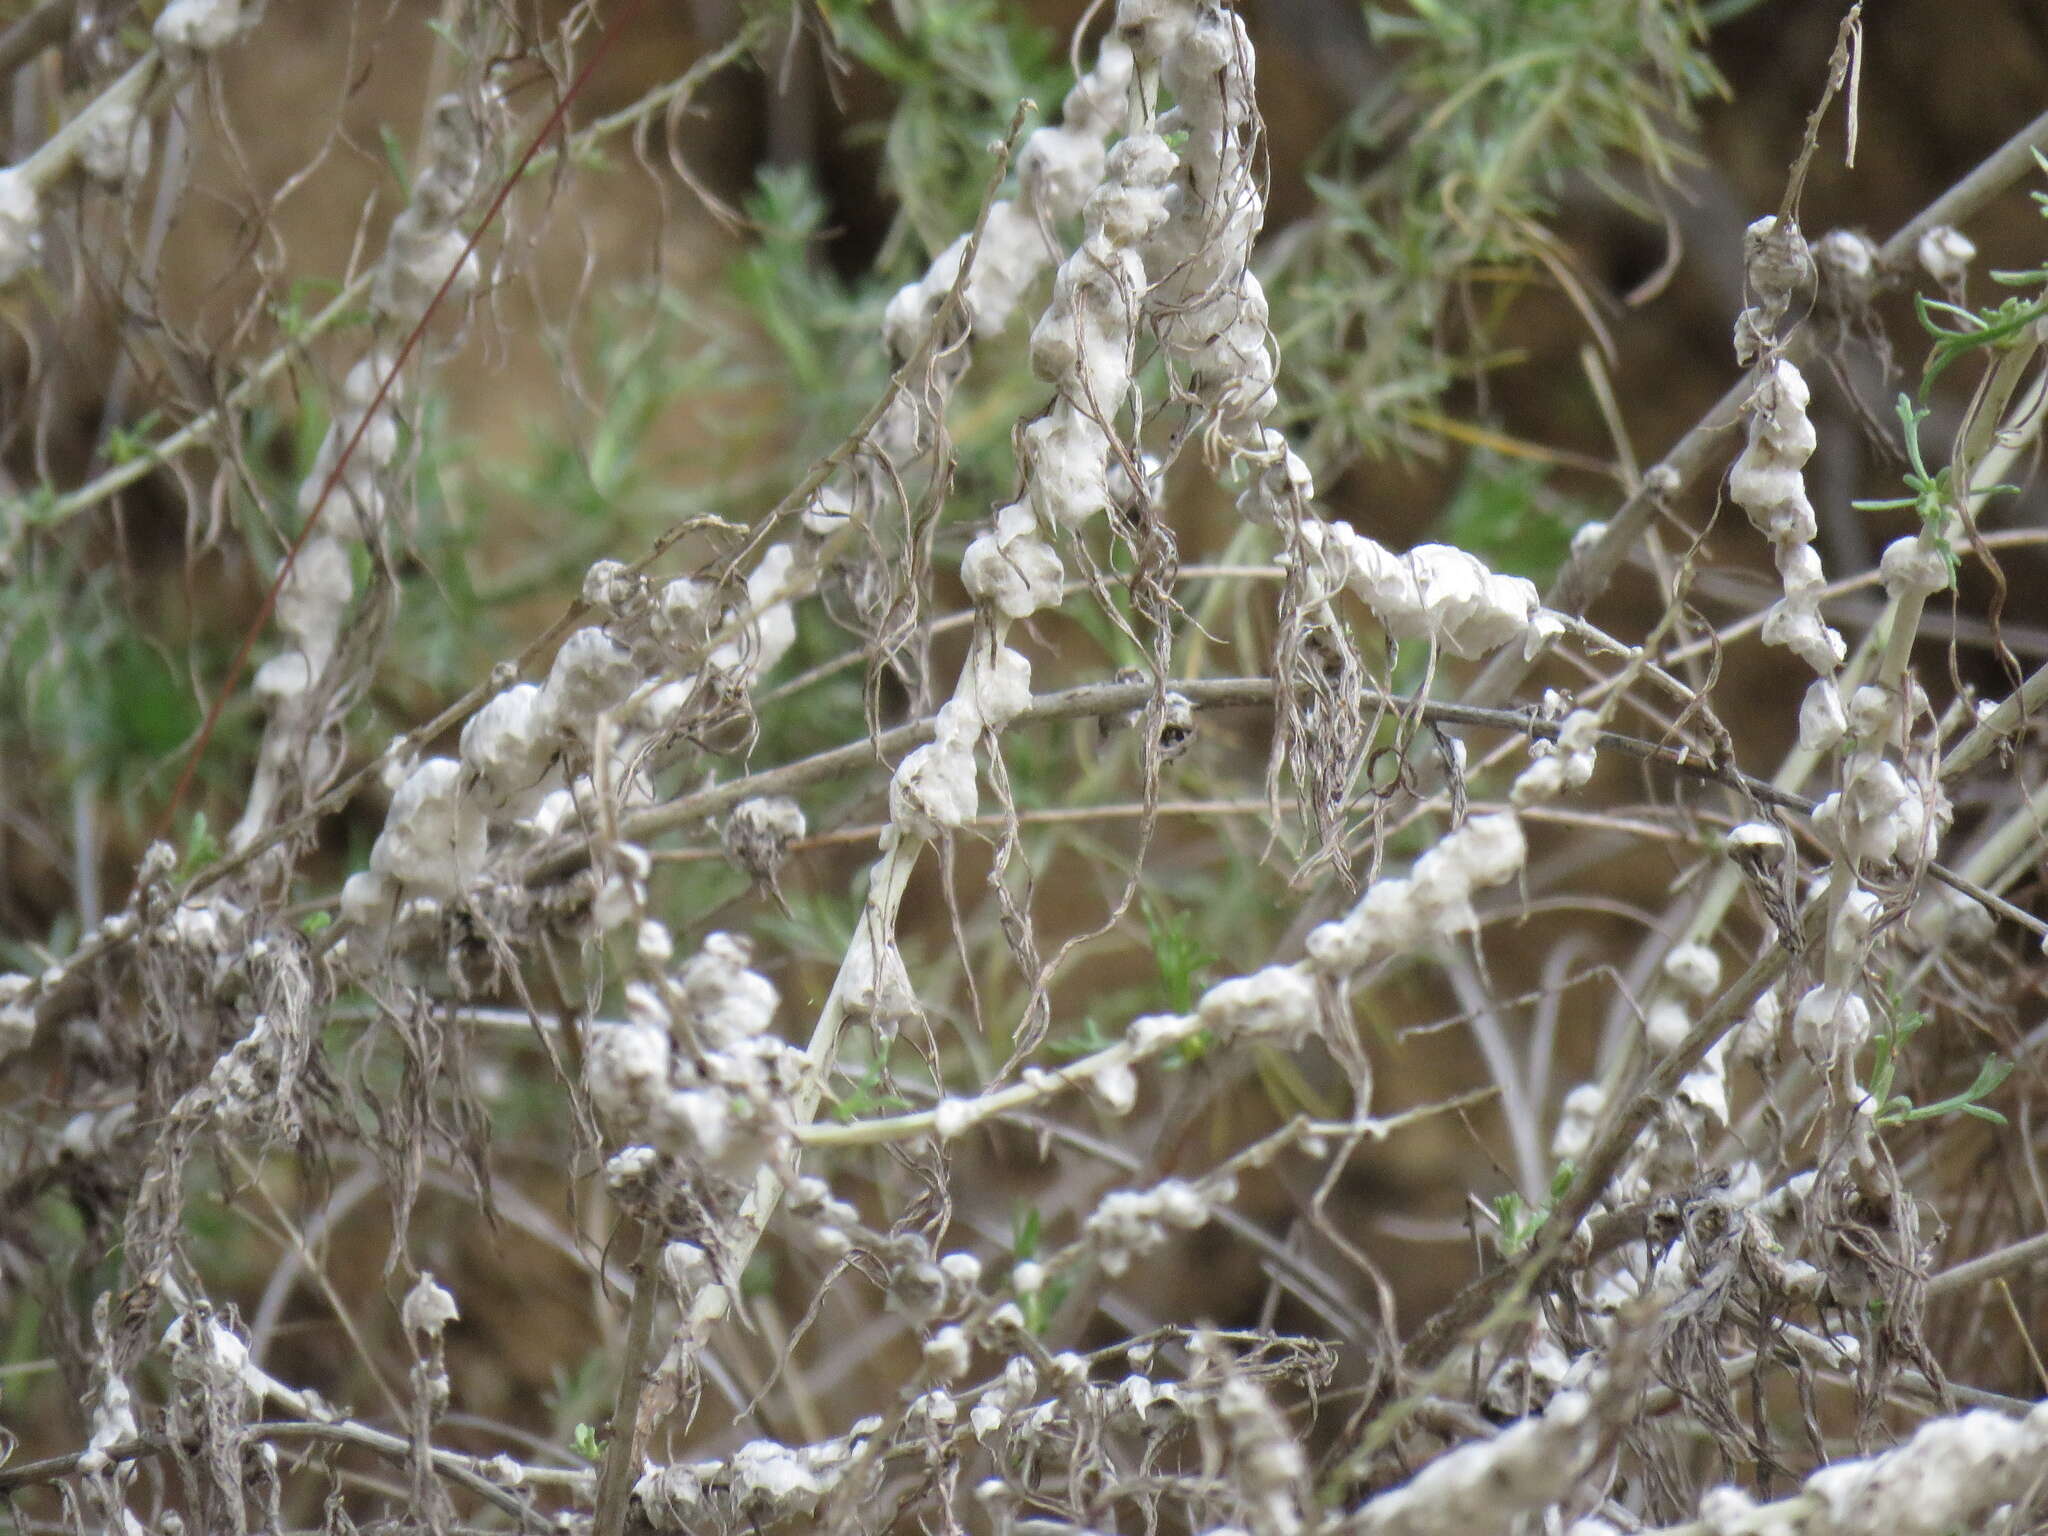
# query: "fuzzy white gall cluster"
{"points": [[1768, 483], [1884, 814], [1758, 843], [1691, 974], [1831, 1023], [1915, 567], [428, 1308], [1084, 344], [934, 787], [694, 1070], [1781, 271], [701, 1296], [767, 626], [1823, 722], [113, 138], [1555, 767], [758, 833], [116, 145], [187, 27], [1415, 912], [1011, 571], [510, 784], [427, 245], [1951, 1474], [1279, 487], [591, 674], [1490, 1484], [1693, 969], [997, 682], [1847, 263], [1057, 167], [1578, 1118], [1130, 1222], [313, 601], [1941, 917], [1276, 1005], [1061, 164], [207, 1355], [508, 745], [1434, 592], [17, 1018], [924, 1289], [21, 234], [1074, 460], [1207, 307], [433, 839], [1269, 1467], [762, 1483], [876, 987], [246, 1080], [947, 1353], [113, 1424], [1945, 254]]}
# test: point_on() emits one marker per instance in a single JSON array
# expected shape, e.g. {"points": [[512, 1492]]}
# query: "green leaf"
{"points": [[201, 847], [1086, 1041], [866, 1098], [394, 159], [1183, 959], [1996, 327], [1025, 1229]]}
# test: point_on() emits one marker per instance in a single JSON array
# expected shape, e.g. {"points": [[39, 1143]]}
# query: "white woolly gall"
{"points": [[428, 1308], [1945, 254]]}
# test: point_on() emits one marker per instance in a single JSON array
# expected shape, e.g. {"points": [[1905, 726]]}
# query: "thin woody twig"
{"points": [[458, 1469], [621, 1457], [1503, 1288], [1096, 700], [1587, 573]]}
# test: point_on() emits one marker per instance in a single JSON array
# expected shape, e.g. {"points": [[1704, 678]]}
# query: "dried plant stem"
{"points": [[1587, 574], [201, 428], [622, 1454], [614, 29], [1096, 700], [43, 27], [1499, 1294], [457, 1468], [1711, 1206], [2008, 1260], [347, 303]]}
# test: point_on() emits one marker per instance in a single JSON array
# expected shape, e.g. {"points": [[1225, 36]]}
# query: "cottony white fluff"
{"points": [[1434, 592], [1399, 915]]}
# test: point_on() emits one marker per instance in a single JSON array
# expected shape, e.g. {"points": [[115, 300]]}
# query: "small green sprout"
{"points": [[201, 847], [1038, 1306], [1897, 1109], [1933, 498], [1085, 1041], [867, 1098], [1519, 1221], [1183, 959]]}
